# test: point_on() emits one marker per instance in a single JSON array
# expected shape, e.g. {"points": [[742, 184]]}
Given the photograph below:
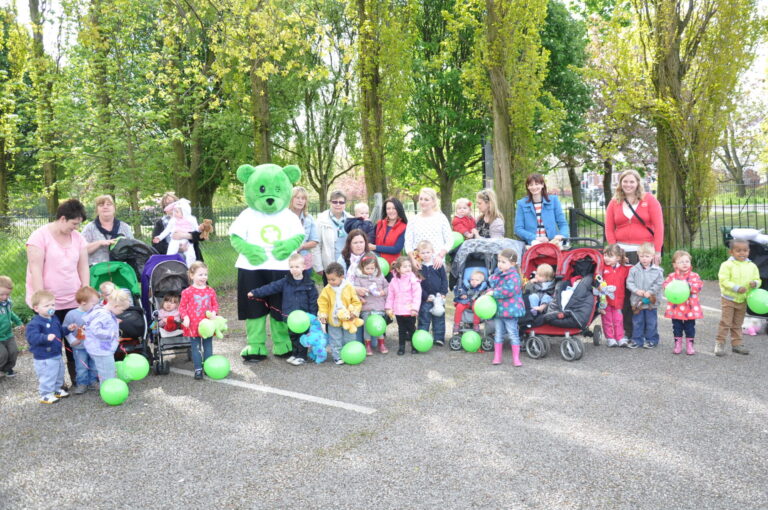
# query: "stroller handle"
{"points": [[585, 241]]}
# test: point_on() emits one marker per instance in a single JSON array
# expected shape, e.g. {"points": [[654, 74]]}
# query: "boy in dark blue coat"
{"points": [[299, 293], [434, 287], [44, 334]]}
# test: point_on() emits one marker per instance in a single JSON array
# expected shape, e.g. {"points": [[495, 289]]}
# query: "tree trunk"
{"points": [[676, 232], [103, 99], [607, 179], [43, 85], [371, 112], [573, 177], [446, 193], [502, 143], [262, 127]]}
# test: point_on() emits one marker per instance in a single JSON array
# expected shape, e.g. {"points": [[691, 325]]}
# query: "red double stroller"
{"points": [[574, 304]]}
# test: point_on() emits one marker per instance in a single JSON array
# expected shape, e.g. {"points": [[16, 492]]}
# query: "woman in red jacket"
{"points": [[633, 217], [390, 231]]}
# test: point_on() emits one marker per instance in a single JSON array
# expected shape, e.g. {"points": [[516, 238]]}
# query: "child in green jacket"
{"points": [[737, 276], [8, 320]]}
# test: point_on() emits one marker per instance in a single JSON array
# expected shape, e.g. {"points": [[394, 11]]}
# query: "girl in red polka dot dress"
{"points": [[196, 301], [685, 314]]}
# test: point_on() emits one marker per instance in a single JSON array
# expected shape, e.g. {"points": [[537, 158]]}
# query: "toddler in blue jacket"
{"points": [[44, 334]]}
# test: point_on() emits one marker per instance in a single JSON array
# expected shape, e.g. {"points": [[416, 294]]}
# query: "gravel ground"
{"points": [[617, 429]]}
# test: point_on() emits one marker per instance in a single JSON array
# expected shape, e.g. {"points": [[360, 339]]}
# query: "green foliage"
{"points": [[706, 261]]}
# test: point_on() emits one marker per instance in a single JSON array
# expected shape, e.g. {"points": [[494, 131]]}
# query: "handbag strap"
{"points": [[638, 217]]}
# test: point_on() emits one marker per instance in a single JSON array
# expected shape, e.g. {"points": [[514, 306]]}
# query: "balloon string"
{"points": [[269, 306]]}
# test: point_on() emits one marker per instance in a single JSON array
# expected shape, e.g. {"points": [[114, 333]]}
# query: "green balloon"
{"points": [[216, 367], [485, 307], [206, 328], [136, 367], [757, 300], [677, 292], [375, 325], [353, 353], [120, 370], [298, 321], [457, 240], [383, 265], [422, 340], [471, 341], [113, 391]]}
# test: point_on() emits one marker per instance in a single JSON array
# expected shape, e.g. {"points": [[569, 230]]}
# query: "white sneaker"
{"points": [[339, 361], [297, 362], [612, 343], [624, 342], [290, 360], [49, 399], [62, 393]]}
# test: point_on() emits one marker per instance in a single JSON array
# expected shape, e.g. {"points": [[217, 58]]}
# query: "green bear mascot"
{"points": [[265, 235]]}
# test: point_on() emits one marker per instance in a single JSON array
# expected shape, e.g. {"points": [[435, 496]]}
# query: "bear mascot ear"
{"points": [[292, 171], [244, 172]]}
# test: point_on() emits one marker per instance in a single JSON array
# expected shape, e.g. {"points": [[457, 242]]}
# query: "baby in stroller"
{"points": [[168, 314], [465, 293], [540, 290]]}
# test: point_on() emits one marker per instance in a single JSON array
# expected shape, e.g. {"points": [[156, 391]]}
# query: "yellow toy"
{"points": [[347, 322]]}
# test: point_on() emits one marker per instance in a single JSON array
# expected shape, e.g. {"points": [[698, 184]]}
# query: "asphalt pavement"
{"points": [[619, 428]]}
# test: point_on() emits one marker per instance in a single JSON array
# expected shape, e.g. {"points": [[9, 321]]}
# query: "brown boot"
{"points": [[368, 350], [383, 346]]}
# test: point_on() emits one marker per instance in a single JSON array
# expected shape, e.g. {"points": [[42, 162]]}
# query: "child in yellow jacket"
{"points": [[737, 276], [339, 308]]}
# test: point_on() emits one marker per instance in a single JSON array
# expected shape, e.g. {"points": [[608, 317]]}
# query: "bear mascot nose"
{"points": [[270, 201]]}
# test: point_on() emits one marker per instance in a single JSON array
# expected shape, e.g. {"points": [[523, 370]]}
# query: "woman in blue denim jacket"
{"points": [[299, 207], [539, 217]]}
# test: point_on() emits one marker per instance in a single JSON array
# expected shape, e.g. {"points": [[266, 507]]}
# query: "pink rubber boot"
{"points": [[689, 347], [497, 348], [516, 356], [678, 346]]}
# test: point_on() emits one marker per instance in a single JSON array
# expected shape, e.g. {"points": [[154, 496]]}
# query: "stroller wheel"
{"points": [[162, 367], [536, 347], [486, 343], [455, 343], [571, 349], [597, 335]]}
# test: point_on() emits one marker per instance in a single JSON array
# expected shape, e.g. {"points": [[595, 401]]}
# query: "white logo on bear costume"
{"points": [[271, 234]]}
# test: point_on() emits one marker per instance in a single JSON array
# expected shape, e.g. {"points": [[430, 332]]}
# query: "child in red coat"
{"points": [[463, 222], [615, 271], [196, 301], [684, 315]]}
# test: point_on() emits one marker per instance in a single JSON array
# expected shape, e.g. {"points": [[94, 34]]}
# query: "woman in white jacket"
{"points": [[330, 227]]}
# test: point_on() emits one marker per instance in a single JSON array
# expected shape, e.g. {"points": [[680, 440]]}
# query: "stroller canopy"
{"points": [[119, 273], [486, 249], [162, 274], [132, 251]]}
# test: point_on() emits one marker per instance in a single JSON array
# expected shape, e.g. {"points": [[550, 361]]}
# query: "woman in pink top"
{"points": [[57, 261], [633, 217]]}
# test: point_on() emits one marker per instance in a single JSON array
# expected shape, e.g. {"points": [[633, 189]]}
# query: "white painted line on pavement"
{"points": [[285, 393]]}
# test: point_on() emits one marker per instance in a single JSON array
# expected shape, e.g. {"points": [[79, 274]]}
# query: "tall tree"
{"points": [[44, 71], [448, 124], [324, 118], [513, 66], [565, 39], [693, 54], [14, 52]]}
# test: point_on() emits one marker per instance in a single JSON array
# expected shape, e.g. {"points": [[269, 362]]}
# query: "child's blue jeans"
{"points": [[438, 323], [338, 337], [645, 327], [50, 375], [202, 349], [85, 368], [510, 325], [536, 300], [105, 366]]}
